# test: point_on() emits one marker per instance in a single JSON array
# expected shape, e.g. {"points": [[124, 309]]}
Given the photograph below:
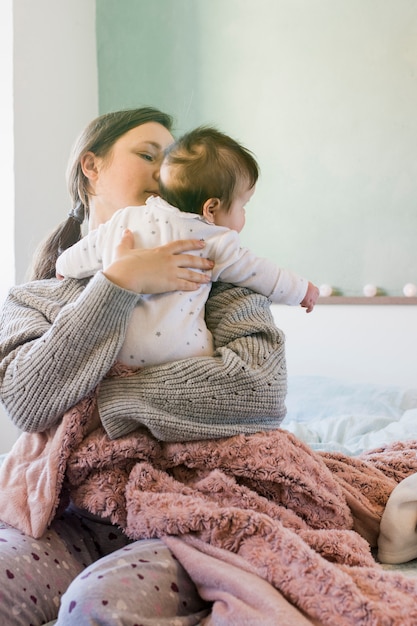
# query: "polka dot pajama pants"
{"points": [[84, 572]]}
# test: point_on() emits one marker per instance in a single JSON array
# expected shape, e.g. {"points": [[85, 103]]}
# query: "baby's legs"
{"points": [[35, 573], [141, 583]]}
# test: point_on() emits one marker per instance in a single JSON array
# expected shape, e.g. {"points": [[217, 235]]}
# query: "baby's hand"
{"points": [[310, 298]]}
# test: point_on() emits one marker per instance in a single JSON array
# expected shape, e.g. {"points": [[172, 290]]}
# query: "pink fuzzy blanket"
{"points": [[302, 521]]}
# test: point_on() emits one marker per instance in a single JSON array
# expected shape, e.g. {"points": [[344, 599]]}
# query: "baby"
{"points": [[206, 179]]}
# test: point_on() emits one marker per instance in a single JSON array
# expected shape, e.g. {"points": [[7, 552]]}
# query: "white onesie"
{"points": [[171, 326]]}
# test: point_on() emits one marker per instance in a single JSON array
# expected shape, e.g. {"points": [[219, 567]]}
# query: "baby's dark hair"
{"points": [[205, 163]]}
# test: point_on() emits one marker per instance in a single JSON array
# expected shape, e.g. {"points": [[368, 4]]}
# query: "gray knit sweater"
{"points": [[58, 339]]}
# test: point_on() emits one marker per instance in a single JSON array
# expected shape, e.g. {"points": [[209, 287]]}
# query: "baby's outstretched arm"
{"points": [[310, 298]]}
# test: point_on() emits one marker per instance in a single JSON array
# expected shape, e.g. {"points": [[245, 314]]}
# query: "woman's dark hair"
{"points": [[98, 137], [205, 163]]}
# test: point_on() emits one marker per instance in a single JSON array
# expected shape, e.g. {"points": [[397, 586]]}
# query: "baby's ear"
{"points": [[210, 208]]}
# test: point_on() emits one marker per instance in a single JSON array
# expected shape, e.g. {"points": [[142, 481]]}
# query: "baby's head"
{"points": [[208, 173]]}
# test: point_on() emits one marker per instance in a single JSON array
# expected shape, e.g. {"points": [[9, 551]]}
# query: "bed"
{"points": [[352, 382], [332, 414], [347, 416]]}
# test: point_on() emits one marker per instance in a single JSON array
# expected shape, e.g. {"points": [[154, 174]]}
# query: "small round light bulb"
{"points": [[370, 291], [410, 290]]}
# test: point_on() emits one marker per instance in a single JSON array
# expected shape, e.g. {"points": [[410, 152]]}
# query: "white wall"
{"points": [[54, 95], [7, 265], [7, 248], [363, 343]]}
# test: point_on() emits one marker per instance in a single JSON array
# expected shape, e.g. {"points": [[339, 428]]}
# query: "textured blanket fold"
{"points": [[304, 522], [238, 595]]}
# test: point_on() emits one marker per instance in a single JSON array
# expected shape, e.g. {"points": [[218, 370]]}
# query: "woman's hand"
{"points": [[158, 270]]}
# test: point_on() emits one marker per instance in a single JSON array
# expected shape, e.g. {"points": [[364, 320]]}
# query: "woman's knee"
{"points": [[141, 583], [34, 574]]}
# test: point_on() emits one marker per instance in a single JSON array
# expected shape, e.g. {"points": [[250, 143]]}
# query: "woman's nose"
{"points": [[156, 171]]}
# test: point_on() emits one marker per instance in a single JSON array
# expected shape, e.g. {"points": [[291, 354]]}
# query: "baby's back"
{"points": [[164, 327]]}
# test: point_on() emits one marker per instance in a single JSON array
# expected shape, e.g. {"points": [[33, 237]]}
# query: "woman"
{"points": [[58, 339]]}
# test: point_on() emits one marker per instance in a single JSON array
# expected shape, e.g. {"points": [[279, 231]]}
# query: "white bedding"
{"points": [[349, 417], [338, 415], [335, 415]]}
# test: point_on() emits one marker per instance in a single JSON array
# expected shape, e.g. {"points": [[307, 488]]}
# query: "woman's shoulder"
{"points": [[52, 288], [31, 307], [48, 296], [45, 295]]}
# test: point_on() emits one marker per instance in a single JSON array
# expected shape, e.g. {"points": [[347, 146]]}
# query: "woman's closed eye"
{"points": [[147, 156]]}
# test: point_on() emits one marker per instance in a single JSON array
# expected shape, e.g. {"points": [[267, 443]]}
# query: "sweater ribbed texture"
{"points": [[58, 339], [241, 389]]}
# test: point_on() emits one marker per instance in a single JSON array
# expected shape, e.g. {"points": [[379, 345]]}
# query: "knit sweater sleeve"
{"points": [[241, 389], [58, 339]]}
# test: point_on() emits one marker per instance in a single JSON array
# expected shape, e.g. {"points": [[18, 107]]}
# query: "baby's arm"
{"points": [[81, 260], [240, 266], [310, 298]]}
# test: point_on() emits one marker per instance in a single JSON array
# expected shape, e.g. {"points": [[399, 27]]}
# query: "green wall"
{"points": [[324, 92]]}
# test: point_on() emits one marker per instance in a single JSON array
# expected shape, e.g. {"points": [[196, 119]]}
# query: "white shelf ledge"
{"points": [[363, 300]]}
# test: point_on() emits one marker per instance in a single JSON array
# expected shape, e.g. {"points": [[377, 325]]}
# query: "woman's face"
{"points": [[129, 174]]}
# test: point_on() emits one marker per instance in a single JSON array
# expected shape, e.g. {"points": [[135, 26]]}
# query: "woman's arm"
{"points": [[241, 389], [57, 341]]}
